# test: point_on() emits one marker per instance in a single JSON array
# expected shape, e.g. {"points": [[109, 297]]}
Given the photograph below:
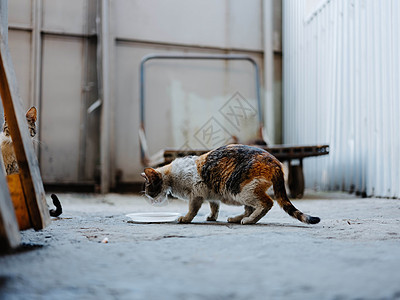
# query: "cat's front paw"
{"points": [[246, 221], [211, 218], [183, 220]]}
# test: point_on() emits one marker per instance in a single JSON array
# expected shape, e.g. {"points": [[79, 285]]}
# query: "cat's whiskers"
{"points": [[158, 201]]}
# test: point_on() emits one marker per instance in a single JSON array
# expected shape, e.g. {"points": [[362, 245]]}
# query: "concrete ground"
{"points": [[354, 253]]}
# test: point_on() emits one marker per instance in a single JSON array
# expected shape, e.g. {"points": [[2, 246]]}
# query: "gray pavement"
{"points": [[354, 253]]}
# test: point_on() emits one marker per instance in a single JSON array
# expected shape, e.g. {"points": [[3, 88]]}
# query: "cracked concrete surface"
{"points": [[354, 253]]}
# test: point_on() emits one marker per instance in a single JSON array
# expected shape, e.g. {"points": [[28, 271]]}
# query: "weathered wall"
{"points": [[181, 96], [54, 44]]}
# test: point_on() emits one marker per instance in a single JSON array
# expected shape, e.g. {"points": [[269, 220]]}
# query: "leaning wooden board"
{"points": [[9, 231], [31, 181], [18, 200]]}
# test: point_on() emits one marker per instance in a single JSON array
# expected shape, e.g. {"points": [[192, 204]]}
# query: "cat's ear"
{"points": [[31, 114], [151, 175], [144, 176]]}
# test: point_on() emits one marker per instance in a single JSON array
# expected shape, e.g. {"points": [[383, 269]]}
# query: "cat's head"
{"points": [[155, 189], [31, 117]]}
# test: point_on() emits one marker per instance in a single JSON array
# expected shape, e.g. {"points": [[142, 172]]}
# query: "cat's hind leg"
{"points": [[214, 206], [248, 210], [194, 206], [261, 207]]}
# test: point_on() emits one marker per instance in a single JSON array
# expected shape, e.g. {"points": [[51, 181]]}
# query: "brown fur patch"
{"points": [[166, 170], [152, 175], [225, 165], [154, 182], [201, 161], [261, 168], [231, 167], [31, 114], [261, 193]]}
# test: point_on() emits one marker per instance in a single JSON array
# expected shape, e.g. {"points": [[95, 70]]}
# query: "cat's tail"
{"points": [[283, 200], [58, 211]]}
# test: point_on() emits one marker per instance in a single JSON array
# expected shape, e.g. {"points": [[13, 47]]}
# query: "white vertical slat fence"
{"points": [[341, 87]]}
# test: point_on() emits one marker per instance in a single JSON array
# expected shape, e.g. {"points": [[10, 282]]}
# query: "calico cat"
{"points": [[9, 159], [7, 149], [233, 174]]}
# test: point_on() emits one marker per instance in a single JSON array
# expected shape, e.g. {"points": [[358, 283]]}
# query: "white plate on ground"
{"points": [[153, 217]]}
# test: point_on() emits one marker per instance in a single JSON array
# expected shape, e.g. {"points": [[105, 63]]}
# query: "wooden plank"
{"points": [[28, 165], [9, 231], [18, 200]]}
